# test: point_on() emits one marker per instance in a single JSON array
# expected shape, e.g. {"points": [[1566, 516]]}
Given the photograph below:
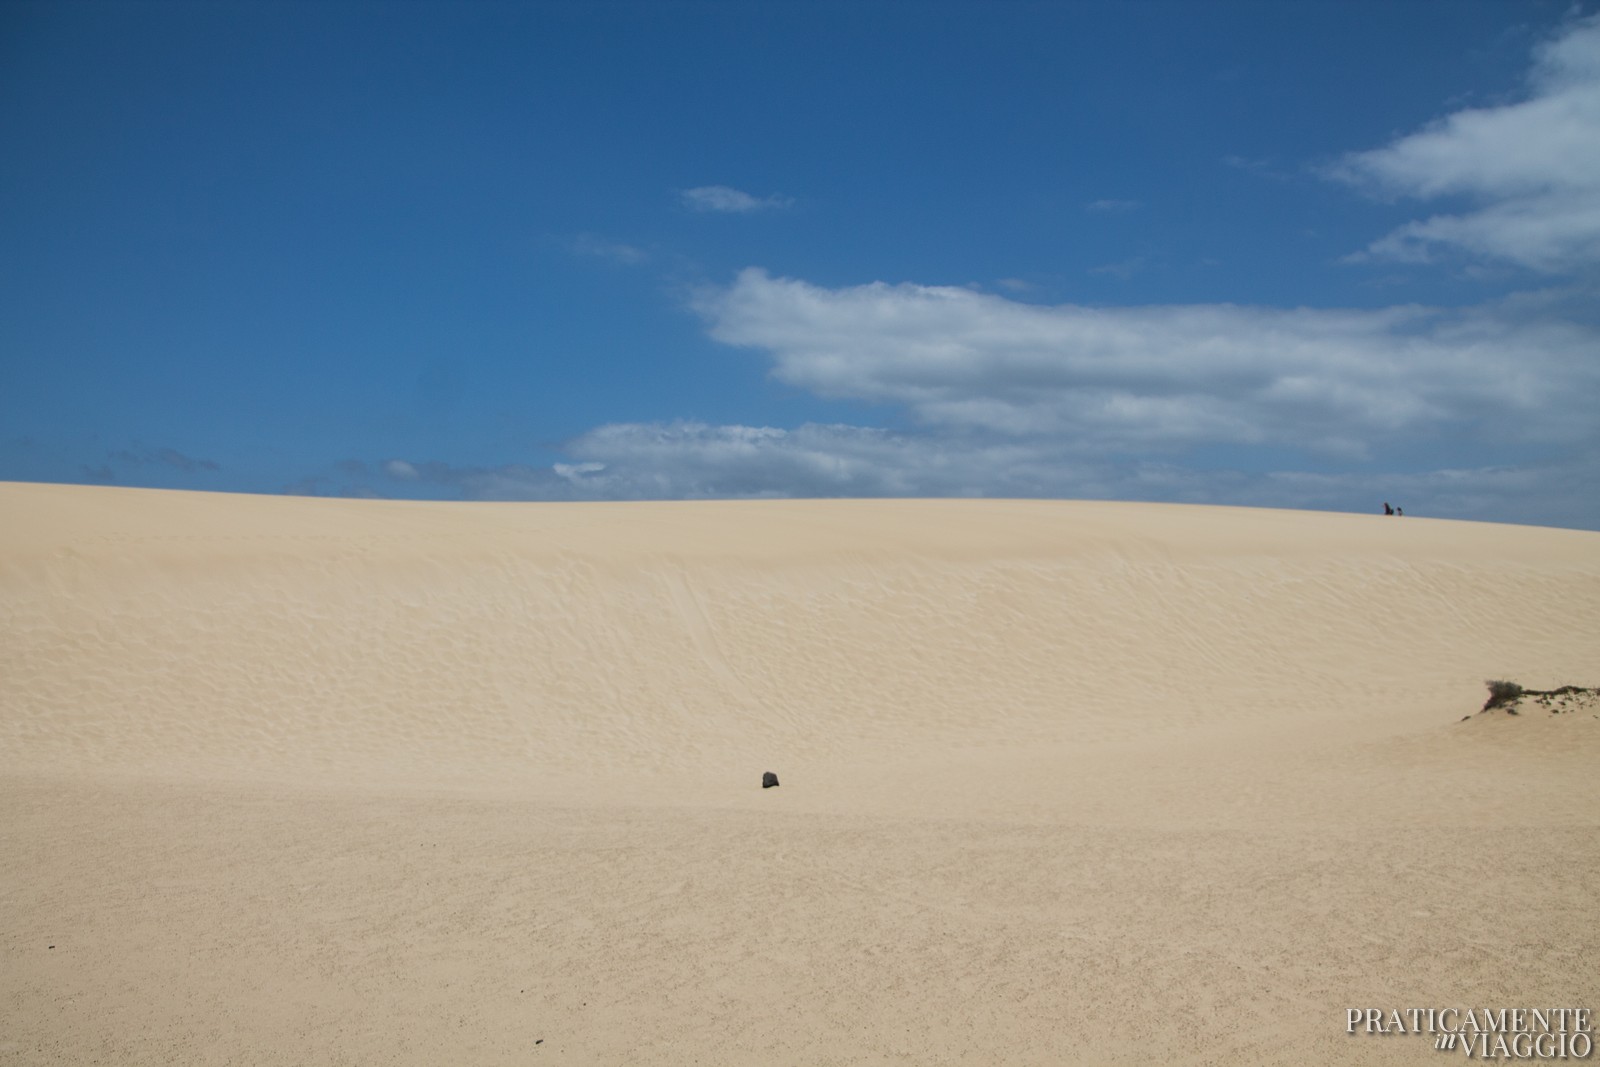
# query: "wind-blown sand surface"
{"points": [[296, 781]]}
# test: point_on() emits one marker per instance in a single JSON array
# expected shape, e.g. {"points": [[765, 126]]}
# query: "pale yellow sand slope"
{"points": [[315, 781]]}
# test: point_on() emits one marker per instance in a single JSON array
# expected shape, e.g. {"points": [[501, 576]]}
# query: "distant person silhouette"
{"points": [[1387, 510], [1399, 511]]}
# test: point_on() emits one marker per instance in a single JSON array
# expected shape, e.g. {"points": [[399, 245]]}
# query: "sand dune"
{"points": [[306, 781]]}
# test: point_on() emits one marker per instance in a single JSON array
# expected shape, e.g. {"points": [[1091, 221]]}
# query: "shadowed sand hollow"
{"points": [[290, 781]]}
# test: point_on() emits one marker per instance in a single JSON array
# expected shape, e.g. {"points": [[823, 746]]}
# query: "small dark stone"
{"points": [[769, 780]]}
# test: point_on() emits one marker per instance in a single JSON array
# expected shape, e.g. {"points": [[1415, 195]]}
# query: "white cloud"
{"points": [[721, 198], [587, 244], [1532, 167], [1021, 400], [1111, 205], [1201, 404], [1136, 380], [1121, 271], [1260, 167]]}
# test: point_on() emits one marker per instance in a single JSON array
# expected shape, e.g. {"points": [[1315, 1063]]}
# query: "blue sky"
{"points": [[1308, 255]]}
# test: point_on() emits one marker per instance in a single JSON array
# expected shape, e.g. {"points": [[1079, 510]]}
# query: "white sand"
{"points": [[294, 781]]}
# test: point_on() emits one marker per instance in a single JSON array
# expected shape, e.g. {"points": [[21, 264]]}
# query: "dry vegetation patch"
{"points": [[1514, 698]]}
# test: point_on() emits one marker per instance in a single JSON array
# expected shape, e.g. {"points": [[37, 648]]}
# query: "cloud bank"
{"points": [[1481, 412], [1531, 169], [1006, 399], [1009, 399], [689, 460], [1164, 379]]}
